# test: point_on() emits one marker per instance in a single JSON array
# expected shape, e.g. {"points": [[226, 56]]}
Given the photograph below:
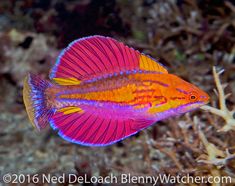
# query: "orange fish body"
{"points": [[105, 91]]}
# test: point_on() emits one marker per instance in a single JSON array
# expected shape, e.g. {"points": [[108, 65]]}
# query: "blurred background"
{"points": [[187, 36]]}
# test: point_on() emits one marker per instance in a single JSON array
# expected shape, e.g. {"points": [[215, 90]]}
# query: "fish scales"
{"points": [[123, 90]]}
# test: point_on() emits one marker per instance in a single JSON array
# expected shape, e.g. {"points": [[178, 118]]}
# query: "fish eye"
{"points": [[193, 96]]}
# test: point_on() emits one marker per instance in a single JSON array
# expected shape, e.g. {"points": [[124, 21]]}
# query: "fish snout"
{"points": [[204, 98]]}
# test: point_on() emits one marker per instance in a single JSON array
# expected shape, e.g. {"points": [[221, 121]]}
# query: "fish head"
{"points": [[178, 97], [184, 96]]}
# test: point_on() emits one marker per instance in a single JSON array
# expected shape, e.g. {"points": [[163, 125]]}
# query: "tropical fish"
{"points": [[103, 91]]}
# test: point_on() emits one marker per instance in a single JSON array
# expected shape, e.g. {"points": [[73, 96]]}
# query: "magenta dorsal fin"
{"points": [[98, 56]]}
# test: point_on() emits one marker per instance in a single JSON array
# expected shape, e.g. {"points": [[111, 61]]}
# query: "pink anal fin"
{"points": [[91, 129], [98, 56]]}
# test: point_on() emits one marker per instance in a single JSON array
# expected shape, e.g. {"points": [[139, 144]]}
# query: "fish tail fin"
{"points": [[35, 100]]}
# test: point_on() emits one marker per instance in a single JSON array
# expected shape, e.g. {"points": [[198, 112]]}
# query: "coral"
{"points": [[227, 115], [214, 156], [25, 52]]}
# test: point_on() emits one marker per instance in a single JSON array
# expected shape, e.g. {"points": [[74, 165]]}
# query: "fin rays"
{"points": [[98, 56], [88, 128]]}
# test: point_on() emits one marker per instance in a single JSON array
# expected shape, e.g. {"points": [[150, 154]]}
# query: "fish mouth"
{"points": [[191, 106], [204, 98]]}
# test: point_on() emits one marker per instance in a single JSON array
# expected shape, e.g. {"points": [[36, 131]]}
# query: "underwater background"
{"points": [[188, 37]]}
